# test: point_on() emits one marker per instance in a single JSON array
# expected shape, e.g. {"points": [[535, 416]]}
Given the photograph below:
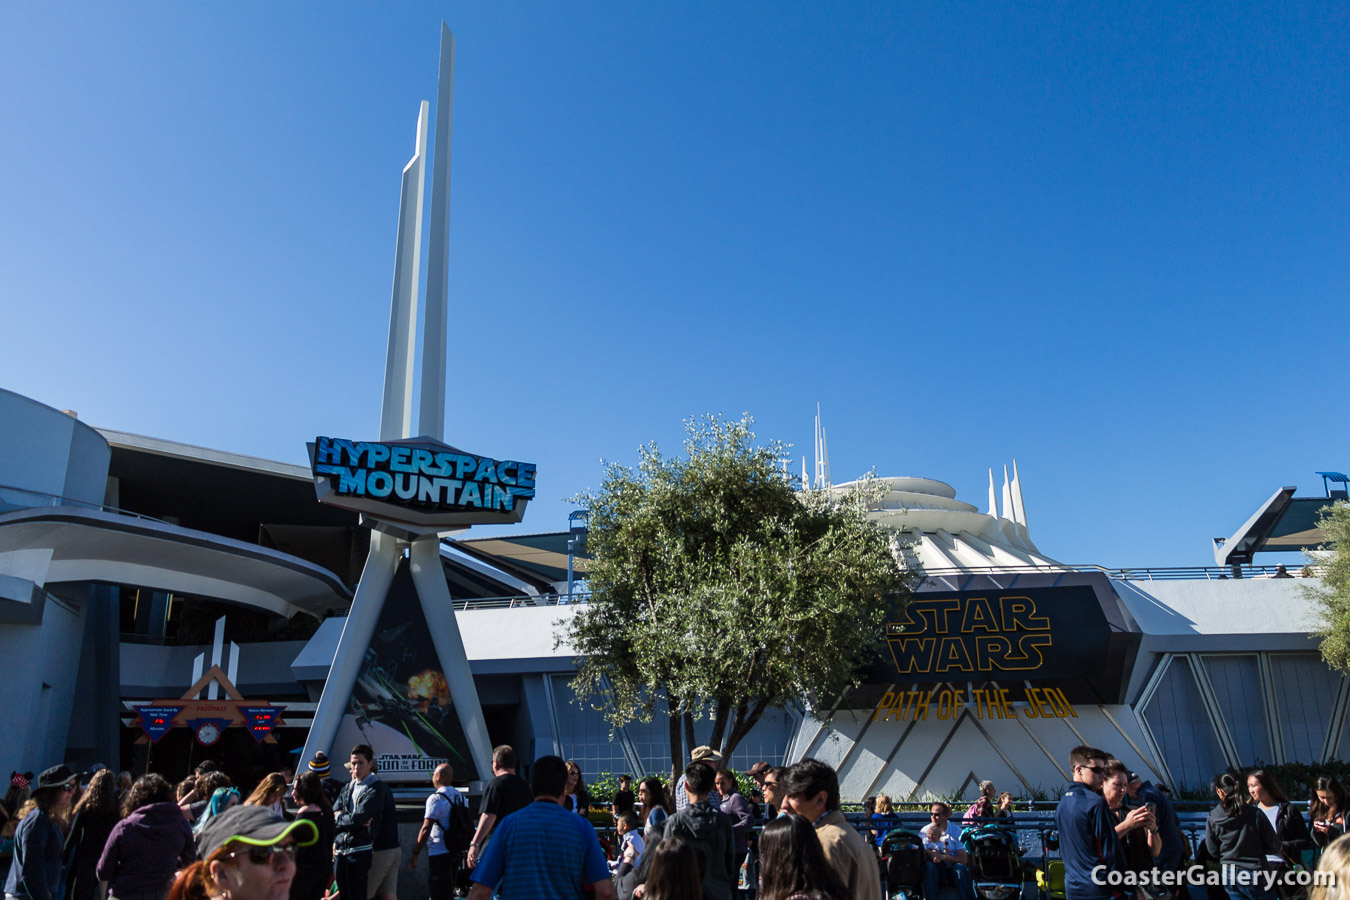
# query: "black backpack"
{"points": [[458, 833]]}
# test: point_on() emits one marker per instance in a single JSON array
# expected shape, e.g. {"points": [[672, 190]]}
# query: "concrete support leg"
{"points": [[362, 618], [434, 595]]}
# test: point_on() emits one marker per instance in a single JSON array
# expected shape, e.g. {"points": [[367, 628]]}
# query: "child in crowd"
{"points": [[631, 844]]}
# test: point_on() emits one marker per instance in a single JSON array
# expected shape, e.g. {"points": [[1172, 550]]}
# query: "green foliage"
{"points": [[1332, 593], [713, 581]]}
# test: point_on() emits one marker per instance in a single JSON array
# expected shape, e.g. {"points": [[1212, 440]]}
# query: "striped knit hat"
{"points": [[20, 779], [319, 764]]}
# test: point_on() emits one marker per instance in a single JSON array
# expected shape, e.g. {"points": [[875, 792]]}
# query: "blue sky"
{"points": [[1107, 240]]}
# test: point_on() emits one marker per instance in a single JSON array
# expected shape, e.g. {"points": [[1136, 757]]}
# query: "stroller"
{"points": [[995, 861], [903, 856], [1050, 876]]}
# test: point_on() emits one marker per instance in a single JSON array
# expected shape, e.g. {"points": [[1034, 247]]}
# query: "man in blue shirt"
{"points": [[543, 852], [1087, 837]]}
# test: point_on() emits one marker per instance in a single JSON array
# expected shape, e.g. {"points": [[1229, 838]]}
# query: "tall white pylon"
{"points": [[822, 481], [1019, 511], [387, 547]]}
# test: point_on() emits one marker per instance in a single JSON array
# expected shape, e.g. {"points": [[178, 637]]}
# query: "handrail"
{"points": [[60, 500], [1139, 573]]}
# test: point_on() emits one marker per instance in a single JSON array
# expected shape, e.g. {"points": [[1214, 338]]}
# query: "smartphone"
{"points": [[1152, 809]]}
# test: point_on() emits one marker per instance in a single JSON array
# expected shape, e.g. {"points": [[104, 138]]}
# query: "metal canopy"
{"points": [[1282, 523], [540, 559]]}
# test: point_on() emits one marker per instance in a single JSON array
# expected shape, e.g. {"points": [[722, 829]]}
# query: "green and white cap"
{"points": [[257, 826]]}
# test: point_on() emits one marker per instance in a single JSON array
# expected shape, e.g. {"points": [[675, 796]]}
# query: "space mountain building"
{"points": [[133, 568]]}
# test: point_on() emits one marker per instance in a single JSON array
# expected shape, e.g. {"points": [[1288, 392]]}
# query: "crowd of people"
{"points": [[1120, 837], [98, 835]]}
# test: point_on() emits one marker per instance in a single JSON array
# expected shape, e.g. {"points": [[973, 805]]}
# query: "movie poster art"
{"points": [[401, 703]]}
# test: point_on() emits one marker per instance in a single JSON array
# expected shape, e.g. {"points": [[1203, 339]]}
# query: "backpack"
{"points": [[458, 829]]}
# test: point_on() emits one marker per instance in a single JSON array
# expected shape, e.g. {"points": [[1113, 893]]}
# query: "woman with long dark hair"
{"points": [[36, 871], [576, 798], [1327, 808], [92, 822], [655, 808], [792, 864], [1241, 839], [314, 863], [151, 842], [675, 872], [1290, 829]]}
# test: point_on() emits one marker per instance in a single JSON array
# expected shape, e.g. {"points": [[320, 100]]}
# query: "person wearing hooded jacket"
{"points": [[708, 829], [1241, 838], [149, 845]]}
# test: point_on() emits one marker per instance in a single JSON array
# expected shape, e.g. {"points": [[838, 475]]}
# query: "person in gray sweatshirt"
{"points": [[1241, 838]]}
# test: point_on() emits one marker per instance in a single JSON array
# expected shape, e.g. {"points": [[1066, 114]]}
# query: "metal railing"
{"points": [[57, 500], [1138, 573]]}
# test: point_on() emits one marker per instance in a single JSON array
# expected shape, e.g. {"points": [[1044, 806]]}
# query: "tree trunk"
{"points": [[676, 749], [689, 741], [720, 723], [740, 727]]}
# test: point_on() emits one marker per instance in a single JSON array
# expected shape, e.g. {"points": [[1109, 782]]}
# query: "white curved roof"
{"points": [[951, 534], [55, 544]]}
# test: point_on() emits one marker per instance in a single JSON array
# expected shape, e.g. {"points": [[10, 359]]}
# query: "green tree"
{"points": [[1332, 593], [719, 587]]}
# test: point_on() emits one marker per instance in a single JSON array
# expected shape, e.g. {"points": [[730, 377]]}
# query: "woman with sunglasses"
{"points": [[36, 871], [247, 853], [655, 808]]}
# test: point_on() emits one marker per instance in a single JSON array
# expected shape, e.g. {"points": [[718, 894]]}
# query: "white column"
{"points": [[431, 414], [396, 411]]}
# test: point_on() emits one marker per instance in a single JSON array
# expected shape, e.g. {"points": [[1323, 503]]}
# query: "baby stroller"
{"points": [[1050, 876], [903, 856], [995, 861]]}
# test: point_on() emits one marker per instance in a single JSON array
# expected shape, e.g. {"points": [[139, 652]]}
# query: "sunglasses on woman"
{"points": [[261, 856]]}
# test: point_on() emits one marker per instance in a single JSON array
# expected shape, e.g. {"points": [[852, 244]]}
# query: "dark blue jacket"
{"points": [[1087, 839], [36, 870], [1174, 849]]}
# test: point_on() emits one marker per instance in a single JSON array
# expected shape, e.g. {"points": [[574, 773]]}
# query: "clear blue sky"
{"points": [[1108, 240]]}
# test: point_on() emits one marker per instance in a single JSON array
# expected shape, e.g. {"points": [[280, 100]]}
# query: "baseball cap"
{"points": [[257, 826]]}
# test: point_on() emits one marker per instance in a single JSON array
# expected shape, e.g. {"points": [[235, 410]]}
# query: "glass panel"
{"points": [[585, 737], [1180, 725], [1237, 689], [1305, 692]]}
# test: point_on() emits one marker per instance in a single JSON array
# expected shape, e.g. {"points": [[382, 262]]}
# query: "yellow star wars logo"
{"points": [[968, 635]]}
